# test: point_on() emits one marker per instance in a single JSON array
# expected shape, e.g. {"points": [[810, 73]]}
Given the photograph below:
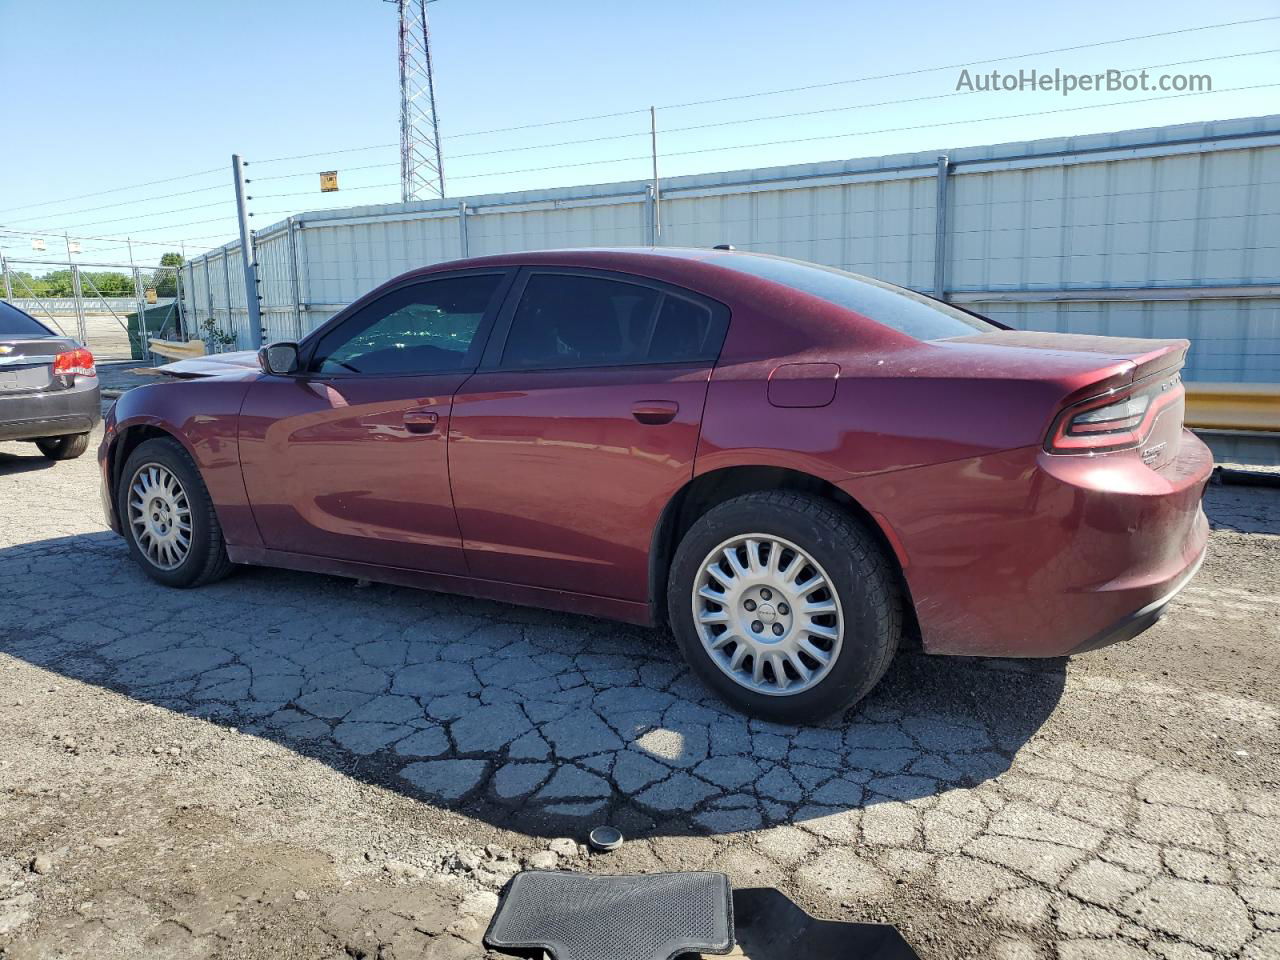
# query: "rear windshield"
{"points": [[15, 323], [897, 307]]}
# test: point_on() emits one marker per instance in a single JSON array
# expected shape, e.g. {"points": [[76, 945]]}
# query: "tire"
{"points": [[859, 594], [64, 448], [205, 559]]}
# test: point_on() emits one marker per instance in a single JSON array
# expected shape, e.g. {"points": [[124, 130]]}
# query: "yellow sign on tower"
{"points": [[328, 181]]}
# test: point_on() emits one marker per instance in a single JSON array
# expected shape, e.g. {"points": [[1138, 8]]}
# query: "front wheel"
{"points": [[784, 605], [66, 447], [168, 517]]}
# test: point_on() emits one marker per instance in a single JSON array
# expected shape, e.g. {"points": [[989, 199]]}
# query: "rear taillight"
{"points": [[74, 363], [1118, 420]]}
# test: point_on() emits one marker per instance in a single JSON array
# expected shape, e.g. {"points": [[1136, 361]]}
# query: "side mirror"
{"points": [[279, 359]]}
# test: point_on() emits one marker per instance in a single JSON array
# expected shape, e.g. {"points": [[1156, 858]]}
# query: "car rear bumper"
{"points": [[54, 413], [1024, 554], [1141, 619]]}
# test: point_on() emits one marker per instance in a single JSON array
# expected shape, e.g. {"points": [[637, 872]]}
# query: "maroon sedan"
{"points": [[786, 463]]}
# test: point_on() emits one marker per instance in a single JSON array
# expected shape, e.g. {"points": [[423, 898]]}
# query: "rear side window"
{"points": [[896, 307], [15, 323], [578, 321]]}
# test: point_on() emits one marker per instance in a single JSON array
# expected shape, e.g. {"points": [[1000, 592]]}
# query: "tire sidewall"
{"points": [[65, 447], [861, 588], [171, 456]]}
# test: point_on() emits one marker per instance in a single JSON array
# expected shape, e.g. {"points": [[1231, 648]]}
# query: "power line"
{"points": [[54, 233], [312, 173], [611, 137], [721, 123], [823, 110], [952, 123], [971, 63], [869, 77], [99, 193], [125, 203], [139, 216], [830, 83], [325, 153], [863, 133], [311, 193]]}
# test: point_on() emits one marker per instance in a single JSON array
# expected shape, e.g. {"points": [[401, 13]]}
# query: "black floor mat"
{"points": [[771, 927], [581, 917]]}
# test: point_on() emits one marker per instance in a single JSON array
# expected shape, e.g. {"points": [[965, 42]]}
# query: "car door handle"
{"points": [[420, 421], [655, 411]]}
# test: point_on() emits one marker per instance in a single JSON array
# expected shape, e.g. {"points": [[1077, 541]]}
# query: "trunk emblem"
{"points": [[1151, 453]]}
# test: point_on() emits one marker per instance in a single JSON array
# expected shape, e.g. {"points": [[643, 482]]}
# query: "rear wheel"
{"points": [[784, 605], [64, 448], [168, 517]]}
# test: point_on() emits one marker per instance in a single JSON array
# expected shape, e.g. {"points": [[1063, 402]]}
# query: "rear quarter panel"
{"points": [[203, 415]]}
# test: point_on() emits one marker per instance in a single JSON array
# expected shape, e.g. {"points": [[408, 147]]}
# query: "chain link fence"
{"points": [[113, 309]]}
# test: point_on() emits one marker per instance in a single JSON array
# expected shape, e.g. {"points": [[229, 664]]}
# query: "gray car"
{"points": [[48, 387]]}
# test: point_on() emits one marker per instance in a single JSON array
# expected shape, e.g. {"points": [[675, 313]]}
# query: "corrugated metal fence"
{"points": [[1168, 232]]}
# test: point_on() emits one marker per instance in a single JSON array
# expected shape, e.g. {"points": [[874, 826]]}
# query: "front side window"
{"points": [[424, 328], [580, 321]]}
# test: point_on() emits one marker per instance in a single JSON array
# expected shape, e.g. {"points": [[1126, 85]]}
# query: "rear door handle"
{"points": [[655, 411], [420, 421]]}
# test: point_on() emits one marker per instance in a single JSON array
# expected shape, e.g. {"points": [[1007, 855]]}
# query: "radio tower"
{"points": [[421, 165]]}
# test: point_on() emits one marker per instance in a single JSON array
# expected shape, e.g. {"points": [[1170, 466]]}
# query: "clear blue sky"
{"points": [[104, 95]]}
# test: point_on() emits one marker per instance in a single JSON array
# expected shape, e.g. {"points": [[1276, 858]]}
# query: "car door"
{"points": [[347, 459], [579, 426]]}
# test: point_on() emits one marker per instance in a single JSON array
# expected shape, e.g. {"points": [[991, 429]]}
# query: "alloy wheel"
{"points": [[160, 516], [767, 614]]}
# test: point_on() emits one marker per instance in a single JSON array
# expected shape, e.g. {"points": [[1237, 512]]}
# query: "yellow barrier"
{"points": [[177, 349], [1233, 406]]}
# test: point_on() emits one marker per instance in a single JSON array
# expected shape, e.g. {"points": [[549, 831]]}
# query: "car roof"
{"points": [[618, 257]]}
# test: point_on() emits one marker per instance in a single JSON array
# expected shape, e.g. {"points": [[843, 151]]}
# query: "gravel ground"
{"points": [[290, 765]]}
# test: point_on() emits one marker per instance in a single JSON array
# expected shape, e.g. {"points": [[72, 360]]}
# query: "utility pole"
{"points": [[248, 257], [421, 162]]}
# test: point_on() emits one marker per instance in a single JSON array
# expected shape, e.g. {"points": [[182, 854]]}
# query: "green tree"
{"points": [[166, 281]]}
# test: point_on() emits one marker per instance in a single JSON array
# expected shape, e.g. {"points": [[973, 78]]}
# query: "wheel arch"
{"points": [[714, 487], [128, 438]]}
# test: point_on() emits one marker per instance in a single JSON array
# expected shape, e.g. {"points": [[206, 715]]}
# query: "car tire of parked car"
{"points": [[64, 448], [784, 605], [168, 516]]}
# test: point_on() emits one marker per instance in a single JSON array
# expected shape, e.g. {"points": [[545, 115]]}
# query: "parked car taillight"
{"points": [[1119, 420], [73, 363]]}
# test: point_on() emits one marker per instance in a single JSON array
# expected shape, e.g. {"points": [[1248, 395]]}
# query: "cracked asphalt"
{"points": [[294, 765]]}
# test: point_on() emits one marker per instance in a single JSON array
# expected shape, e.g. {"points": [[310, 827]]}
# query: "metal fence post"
{"points": [[293, 279], [226, 277], [143, 346], [650, 216], [247, 256], [464, 242], [657, 189], [177, 292], [82, 332], [208, 293], [940, 246]]}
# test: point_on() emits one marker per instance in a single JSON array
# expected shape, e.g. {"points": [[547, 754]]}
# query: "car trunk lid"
{"points": [[26, 364], [1126, 395], [1141, 357]]}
